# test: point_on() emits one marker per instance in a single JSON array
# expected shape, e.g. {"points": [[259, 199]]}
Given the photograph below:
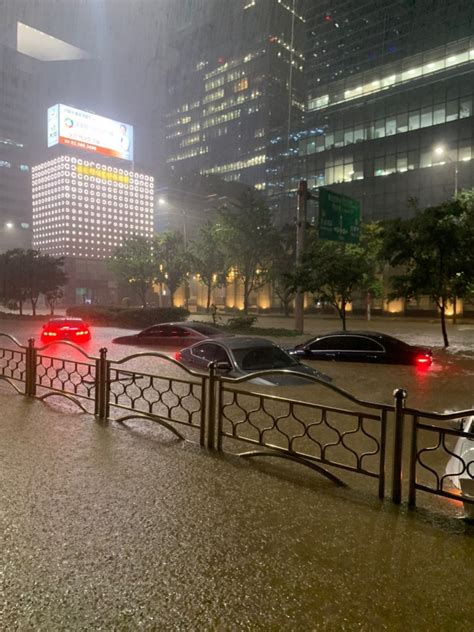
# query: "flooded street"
{"points": [[447, 384], [106, 528], [111, 526]]}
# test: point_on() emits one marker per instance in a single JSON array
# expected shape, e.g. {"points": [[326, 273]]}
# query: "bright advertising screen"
{"points": [[83, 130]]}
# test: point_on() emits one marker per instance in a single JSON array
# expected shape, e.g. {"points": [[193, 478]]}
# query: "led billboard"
{"points": [[84, 130]]}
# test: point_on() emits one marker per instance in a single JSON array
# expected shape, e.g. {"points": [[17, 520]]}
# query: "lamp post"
{"points": [[440, 150]]}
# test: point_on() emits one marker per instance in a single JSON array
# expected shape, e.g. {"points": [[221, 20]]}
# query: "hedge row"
{"points": [[127, 317]]}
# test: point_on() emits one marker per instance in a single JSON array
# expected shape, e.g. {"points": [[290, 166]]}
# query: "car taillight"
{"points": [[49, 333], [423, 360], [84, 332], [178, 356]]}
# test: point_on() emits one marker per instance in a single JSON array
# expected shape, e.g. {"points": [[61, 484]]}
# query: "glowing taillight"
{"points": [[423, 360], [49, 333], [178, 356]]}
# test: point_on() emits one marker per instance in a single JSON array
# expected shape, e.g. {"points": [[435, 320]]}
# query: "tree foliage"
{"points": [[435, 250], [171, 260], [208, 260], [282, 266], [26, 274], [244, 231], [133, 264], [333, 271]]}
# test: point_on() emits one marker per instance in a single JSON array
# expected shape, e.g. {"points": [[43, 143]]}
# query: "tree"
{"points": [[53, 279], [282, 266], [333, 272], [26, 274], [435, 249], [245, 233], [171, 260], [133, 264], [207, 260]]}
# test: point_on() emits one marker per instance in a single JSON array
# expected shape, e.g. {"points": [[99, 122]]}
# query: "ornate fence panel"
{"points": [[13, 363], [317, 433], [439, 461], [70, 377], [157, 396], [310, 433]]}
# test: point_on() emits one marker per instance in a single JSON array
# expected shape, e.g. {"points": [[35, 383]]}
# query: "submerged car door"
{"points": [[151, 336], [323, 348], [202, 354], [359, 348], [207, 352]]}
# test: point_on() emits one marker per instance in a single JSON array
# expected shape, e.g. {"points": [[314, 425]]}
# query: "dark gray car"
{"points": [[175, 335], [241, 355]]}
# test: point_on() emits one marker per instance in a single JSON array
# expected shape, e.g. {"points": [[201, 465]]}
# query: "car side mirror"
{"points": [[223, 366]]}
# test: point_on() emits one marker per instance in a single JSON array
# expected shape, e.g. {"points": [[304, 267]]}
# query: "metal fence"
{"points": [[360, 437]]}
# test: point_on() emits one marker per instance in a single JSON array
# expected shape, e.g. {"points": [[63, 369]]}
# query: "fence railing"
{"points": [[360, 437]]}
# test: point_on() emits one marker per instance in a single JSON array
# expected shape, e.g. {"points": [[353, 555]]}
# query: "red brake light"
{"points": [[178, 356], [423, 360]]}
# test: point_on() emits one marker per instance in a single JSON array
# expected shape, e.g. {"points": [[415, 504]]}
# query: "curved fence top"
{"points": [[13, 339], [310, 378], [69, 344], [162, 356]]}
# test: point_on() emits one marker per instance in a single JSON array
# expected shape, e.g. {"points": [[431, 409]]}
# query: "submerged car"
{"points": [[240, 355], [362, 346], [171, 335], [72, 329]]}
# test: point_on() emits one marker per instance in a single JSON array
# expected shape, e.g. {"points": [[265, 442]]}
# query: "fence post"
{"points": [[211, 408], [30, 368], [400, 395], [102, 385], [413, 455]]}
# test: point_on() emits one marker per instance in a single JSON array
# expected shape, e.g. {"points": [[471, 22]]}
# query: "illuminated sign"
{"points": [[83, 130], [103, 174]]}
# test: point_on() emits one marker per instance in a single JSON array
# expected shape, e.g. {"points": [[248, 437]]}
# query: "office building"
{"points": [[389, 108], [229, 93], [83, 210], [15, 150]]}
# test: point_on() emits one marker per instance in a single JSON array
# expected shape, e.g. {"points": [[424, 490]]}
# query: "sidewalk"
{"points": [[108, 527]]}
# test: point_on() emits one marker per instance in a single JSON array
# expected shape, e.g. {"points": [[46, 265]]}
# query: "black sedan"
{"points": [[240, 355], [171, 335], [362, 346]]}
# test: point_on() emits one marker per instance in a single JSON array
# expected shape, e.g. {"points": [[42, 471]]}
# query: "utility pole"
{"points": [[303, 196]]}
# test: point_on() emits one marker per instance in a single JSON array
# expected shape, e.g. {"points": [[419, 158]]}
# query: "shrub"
{"points": [[135, 318], [241, 322]]}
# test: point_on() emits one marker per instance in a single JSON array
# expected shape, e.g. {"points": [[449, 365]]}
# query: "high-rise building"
{"points": [[229, 92], [83, 210], [389, 110], [15, 149]]}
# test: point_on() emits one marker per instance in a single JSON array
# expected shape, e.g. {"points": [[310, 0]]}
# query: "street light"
{"points": [[440, 150], [9, 225]]}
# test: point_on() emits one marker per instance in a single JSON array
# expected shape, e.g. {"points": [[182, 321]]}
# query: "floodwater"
{"points": [[110, 526]]}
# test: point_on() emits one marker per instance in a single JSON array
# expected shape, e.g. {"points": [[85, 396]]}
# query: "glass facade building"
{"points": [[389, 105], [229, 94], [15, 150]]}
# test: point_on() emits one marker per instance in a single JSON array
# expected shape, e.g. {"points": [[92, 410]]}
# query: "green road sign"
{"points": [[339, 217]]}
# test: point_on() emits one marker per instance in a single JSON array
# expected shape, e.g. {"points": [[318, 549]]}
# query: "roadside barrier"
{"points": [[358, 437]]}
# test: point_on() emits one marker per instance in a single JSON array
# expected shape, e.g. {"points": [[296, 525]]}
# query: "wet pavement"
{"points": [[107, 528], [123, 528]]}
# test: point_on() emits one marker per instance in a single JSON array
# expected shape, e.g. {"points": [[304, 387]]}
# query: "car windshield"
{"points": [[261, 358]]}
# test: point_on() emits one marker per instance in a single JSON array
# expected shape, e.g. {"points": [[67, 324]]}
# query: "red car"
{"points": [[72, 329]]}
